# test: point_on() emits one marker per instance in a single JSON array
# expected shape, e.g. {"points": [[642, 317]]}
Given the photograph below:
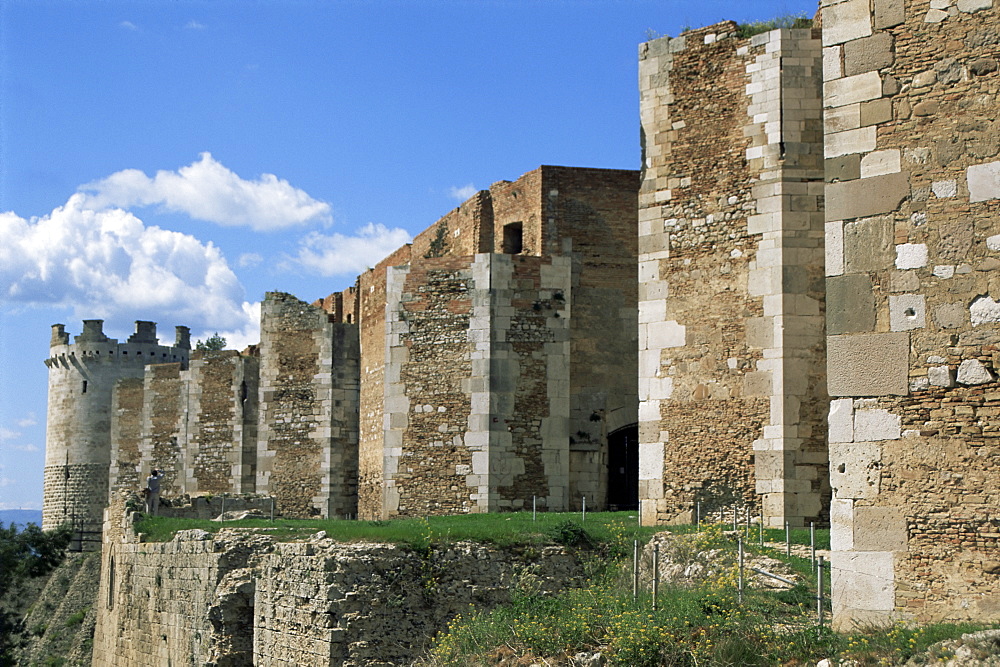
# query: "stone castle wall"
{"points": [[912, 242], [82, 376], [242, 599], [731, 378]]}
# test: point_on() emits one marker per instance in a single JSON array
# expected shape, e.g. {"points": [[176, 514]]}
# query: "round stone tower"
{"points": [[82, 377]]}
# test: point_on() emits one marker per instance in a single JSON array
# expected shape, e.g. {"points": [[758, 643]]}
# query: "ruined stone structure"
{"points": [[731, 372], [812, 334], [78, 444], [912, 97]]}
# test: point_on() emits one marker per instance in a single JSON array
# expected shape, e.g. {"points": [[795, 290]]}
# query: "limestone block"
{"points": [[757, 383], [843, 168], [846, 21], [973, 372], [832, 67], [841, 420], [834, 250], [868, 364], [942, 189], [971, 6], [650, 460], [860, 140], [993, 242], [855, 470], [840, 119], [874, 425], [652, 311], [760, 332], [906, 312], [866, 197], [940, 376], [944, 271], [852, 89], [878, 163], [879, 529], [665, 334], [868, 54], [841, 524], [888, 13], [904, 281], [876, 112], [862, 581], [911, 256], [868, 245], [984, 181], [984, 310], [850, 304]]}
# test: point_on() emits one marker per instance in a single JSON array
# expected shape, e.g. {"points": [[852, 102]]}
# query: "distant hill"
{"points": [[22, 517]]}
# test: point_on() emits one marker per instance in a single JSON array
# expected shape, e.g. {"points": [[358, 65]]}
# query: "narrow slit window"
{"points": [[84, 387], [513, 238]]}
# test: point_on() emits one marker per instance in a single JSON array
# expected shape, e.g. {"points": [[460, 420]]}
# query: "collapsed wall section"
{"points": [[731, 381], [913, 250], [308, 433]]}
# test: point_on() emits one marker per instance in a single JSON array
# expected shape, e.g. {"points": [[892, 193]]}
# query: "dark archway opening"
{"points": [[623, 468]]}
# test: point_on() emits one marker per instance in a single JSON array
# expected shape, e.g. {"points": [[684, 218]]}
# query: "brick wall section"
{"points": [[163, 427], [126, 437], [372, 329], [912, 201], [434, 309], [730, 296], [222, 408], [306, 451]]}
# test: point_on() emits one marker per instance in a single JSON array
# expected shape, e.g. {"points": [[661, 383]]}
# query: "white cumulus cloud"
{"points": [[128, 25], [29, 420], [194, 25], [108, 263], [338, 254], [207, 190], [462, 193]]}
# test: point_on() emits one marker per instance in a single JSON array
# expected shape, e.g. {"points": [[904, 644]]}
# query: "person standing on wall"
{"points": [[152, 491]]}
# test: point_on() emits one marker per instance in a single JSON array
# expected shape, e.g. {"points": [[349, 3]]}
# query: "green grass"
{"points": [[510, 529], [757, 27]]}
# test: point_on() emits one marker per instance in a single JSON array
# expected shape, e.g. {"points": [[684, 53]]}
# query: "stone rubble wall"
{"points": [[731, 381], [239, 599], [912, 97], [308, 433]]}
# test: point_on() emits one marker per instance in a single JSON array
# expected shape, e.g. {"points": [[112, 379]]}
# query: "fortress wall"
{"points": [[372, 331], [305, 455], [595, 214], [221, 406], [126, 437], [82, 376], [240, 599], [463, 231], [426, 387], [524, 312], [913, 249], [731, 385]]}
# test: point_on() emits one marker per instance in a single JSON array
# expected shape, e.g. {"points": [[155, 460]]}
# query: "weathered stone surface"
{"points": [[851, 304], [950, 315], [906, 312], [868, 54], [872, 425], [984, 181], [854, 470], [972, 6], [846, 21], [911, 256], [984, 310], [868, 364], [983, 66], [888, 13], [972, 371], [940, 376], [879, 529], [866, 197], [868, 245], [852, 89], [843, 168], [955, 240]]}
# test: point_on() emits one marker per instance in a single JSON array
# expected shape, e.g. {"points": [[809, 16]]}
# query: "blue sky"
{"points": [[172, 161]]}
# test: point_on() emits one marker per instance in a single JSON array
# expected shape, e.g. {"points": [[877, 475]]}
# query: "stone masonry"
{"points": [[731, 377], [911, 101]]}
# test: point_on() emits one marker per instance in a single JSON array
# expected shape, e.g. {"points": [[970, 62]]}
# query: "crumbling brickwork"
{"points": [[730, 289], [912, 205]]}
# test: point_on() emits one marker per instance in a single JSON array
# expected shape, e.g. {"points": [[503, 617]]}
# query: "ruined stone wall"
{"points": [[594, 213], [221, 434], [241, 599], [731, 384], [82, 376], [372, 328], [426, 384], [911, 96], [463, 231], [306, 454], [126, 470]]}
